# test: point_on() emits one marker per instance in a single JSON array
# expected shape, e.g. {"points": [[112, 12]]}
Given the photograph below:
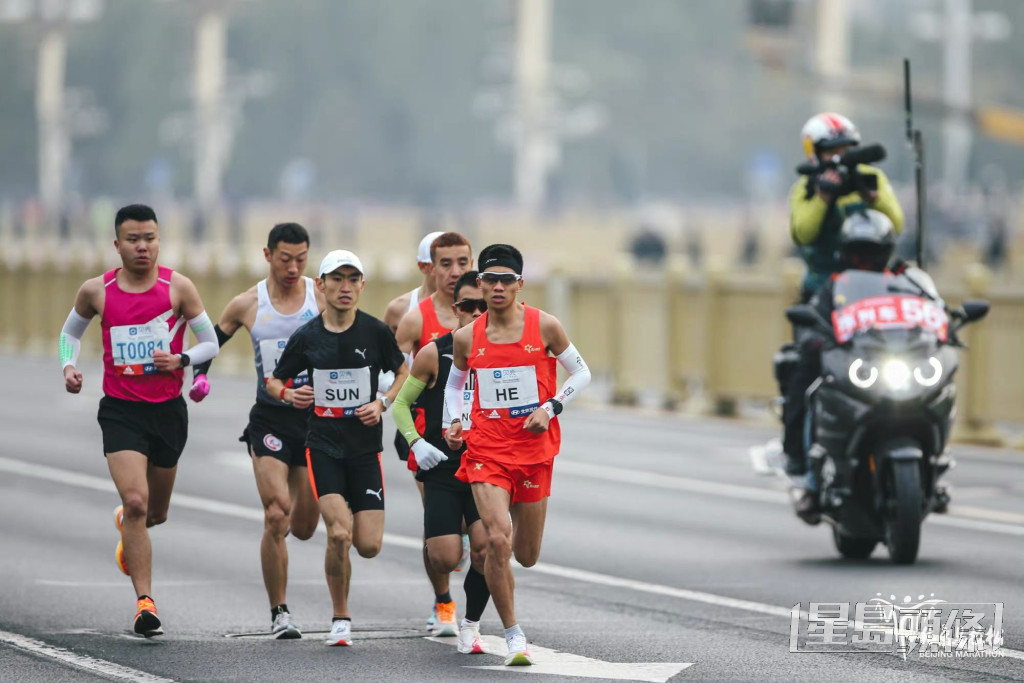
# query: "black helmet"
{"points": [[866, 241]]}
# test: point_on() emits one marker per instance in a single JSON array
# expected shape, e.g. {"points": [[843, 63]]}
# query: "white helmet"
{"points": [[825, 131]]}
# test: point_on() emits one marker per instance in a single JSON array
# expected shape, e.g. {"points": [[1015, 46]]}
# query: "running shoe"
{"points": [[464, 558], [341, 633], [283, 629], [122, 563], [518, 654], [470, 642], [446, 624], [147, 623], [432, 619]]}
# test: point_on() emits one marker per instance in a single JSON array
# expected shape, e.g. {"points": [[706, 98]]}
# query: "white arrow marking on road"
{"points": [[547, 661]]}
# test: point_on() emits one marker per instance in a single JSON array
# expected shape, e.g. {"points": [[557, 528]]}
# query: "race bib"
{"points": [[270, 354], [512, 389], [890, 312], [337, 393], [132, 347]]}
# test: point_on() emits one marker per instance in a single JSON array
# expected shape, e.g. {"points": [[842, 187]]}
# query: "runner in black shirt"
{"points": [[343, 350], [447, 502]]}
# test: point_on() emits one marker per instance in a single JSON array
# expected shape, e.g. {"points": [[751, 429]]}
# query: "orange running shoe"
{"points": [[147, 623], [122, 564], [446, 624]]}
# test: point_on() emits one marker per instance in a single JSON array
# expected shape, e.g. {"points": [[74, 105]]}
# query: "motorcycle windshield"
{"points": [[864, 300]]}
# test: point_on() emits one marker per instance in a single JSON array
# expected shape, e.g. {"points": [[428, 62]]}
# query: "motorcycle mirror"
{"points": [[803, 315], [975, 310]]}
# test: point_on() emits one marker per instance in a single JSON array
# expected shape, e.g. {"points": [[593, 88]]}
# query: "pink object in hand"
{"points": [[200, 388]]}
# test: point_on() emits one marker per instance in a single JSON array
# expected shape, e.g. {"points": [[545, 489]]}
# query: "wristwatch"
{"points": [[556, 406], [185, 360], [385, 402]]}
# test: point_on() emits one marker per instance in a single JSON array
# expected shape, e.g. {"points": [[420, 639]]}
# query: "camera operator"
{"points": [[819, 203]]}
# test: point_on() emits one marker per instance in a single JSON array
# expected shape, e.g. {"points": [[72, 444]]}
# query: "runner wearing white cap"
{"points": [[343, 351], [401, 305]]}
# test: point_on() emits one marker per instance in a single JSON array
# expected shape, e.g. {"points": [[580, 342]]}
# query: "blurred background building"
{"points": [[681, 118]]}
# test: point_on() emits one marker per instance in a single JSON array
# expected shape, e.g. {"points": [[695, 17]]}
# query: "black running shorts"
{"points": [[358, 479], [446, 503], [277, 432], [157, 430]]}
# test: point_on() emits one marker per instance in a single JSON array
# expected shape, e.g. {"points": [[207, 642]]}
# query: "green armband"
{"points": [[411, 391]]}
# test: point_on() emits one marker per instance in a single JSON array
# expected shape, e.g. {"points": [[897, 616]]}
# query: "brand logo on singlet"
{"points": [[272, 442], [433, 336], [493, 414], [530, 348], [361, 352], [478, 466], [480, 351], [308, 315]]}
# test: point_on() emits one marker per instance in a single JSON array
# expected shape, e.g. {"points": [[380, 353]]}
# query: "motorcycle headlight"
{"points": [[896, 374], [862, 381], [929, 376]]}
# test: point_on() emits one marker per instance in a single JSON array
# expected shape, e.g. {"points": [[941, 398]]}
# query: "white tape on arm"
{"points": [[71, 334], [207, 346], [453, 393]]}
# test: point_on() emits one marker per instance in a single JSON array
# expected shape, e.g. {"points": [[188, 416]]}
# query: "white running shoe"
{"points": [[470, 642], [283, 629], [517, 655], [341, 633], [464, 558]]}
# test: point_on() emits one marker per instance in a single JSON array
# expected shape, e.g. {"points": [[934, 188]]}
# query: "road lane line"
{"points": [[97, 666], [416, 544], [987, 520]]}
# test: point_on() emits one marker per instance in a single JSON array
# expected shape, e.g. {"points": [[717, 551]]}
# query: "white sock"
{"points": [[513, 631]]}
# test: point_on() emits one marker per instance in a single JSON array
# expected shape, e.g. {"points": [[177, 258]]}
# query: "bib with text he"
{"points": [[512, 389], [132, 347], [337, 393], [270, 354]]}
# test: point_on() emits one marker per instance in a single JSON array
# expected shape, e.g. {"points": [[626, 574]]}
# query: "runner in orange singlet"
{"points": [[515, 437]]}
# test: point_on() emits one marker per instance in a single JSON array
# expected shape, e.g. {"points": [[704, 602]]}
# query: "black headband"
{"points": [[499, 259]]}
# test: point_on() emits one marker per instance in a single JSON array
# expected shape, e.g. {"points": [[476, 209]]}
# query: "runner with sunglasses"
{"points": [[515, 437], [448, 504], [451, 255]]}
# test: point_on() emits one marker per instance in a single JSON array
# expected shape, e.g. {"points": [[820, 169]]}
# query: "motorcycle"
{"points": [[879, 416]]}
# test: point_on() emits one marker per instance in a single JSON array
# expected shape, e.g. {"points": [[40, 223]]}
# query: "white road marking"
{"points": [[547, 661], [995, 522], [48, 473], [100, 667]]}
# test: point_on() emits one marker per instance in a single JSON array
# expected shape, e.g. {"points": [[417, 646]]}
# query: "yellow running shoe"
{"points": [[122, 564]]}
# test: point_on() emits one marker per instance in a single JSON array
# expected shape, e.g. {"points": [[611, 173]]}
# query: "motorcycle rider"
{"points": [[818, 204], [866, 241]]}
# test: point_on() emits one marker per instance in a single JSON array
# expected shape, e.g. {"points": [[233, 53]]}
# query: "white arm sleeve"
{"points": [[453, 394], [71, 338], [579, 377], [207, 346]]}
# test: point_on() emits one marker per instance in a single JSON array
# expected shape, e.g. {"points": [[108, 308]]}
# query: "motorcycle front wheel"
{"points": [[905, 507]]}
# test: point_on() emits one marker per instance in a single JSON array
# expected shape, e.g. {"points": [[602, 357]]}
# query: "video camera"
{"points": [[846, 165]]}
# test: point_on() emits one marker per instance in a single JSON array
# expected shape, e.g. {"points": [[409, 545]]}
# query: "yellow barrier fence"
{"points": [[673, 333]]}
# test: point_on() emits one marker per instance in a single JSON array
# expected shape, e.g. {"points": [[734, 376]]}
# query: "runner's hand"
{"points": [[200, 388], [537, 422], [302, 397], [72, 380], [369, 413], [166, 362], [453, 437], [427, 456]]}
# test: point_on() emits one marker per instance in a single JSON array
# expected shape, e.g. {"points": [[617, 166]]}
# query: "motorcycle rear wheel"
{"points": [[853, 548]]}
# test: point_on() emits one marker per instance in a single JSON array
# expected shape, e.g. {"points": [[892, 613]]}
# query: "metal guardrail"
{"points": [[675, 333]]}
